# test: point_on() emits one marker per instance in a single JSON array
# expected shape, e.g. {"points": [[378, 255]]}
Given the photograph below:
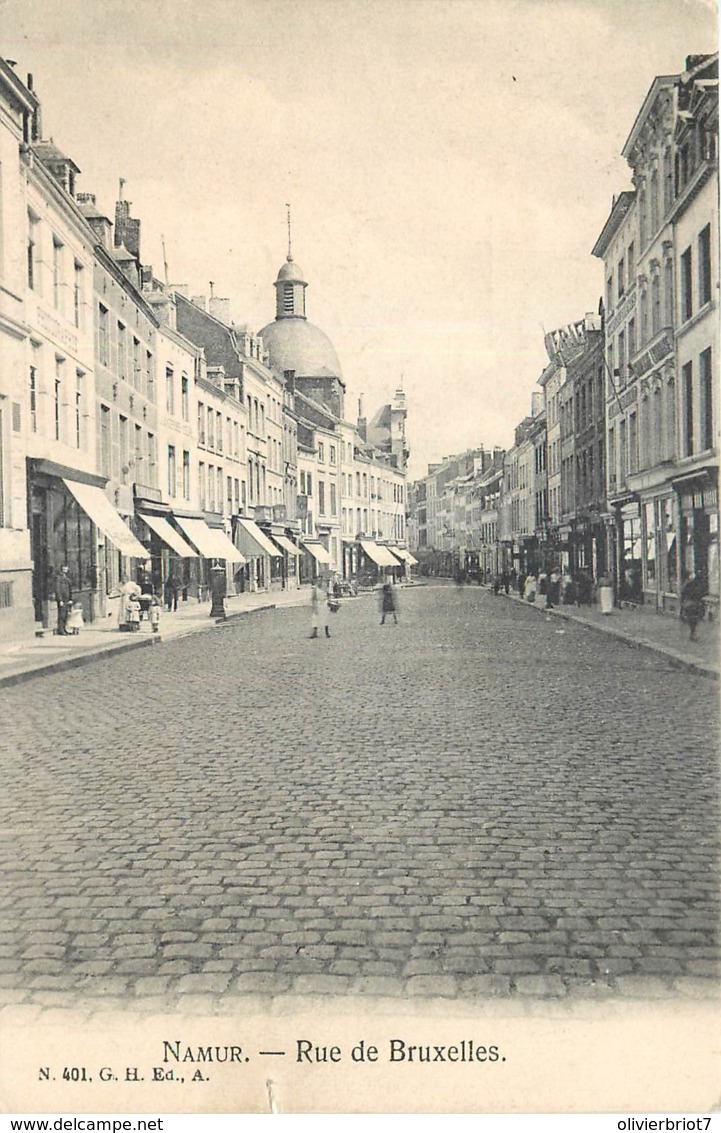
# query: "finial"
{"points": [[120, 191], [289, 257], [212, 285]]}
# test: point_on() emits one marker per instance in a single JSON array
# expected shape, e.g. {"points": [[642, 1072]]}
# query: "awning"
{"points": [[169, 535], [318, 551], [98, 507], [405, 555], [212, 543], [286, 544], [389, 556], [253, 541], [381, 556]]}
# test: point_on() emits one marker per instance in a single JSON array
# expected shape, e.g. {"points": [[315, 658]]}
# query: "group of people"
{"points": [[324, 600]]}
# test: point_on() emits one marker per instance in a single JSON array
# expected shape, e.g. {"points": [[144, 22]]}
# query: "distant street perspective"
{"points": [[481, 800]]}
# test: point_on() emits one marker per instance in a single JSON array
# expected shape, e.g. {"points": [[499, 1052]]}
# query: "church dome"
{"points": [[296, 344]]}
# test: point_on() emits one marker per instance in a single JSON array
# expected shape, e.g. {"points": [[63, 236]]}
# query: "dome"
{"points": [[296, 344], [290, 272]]}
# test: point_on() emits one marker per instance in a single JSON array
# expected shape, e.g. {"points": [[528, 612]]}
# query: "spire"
{"points": [[289, 257]]}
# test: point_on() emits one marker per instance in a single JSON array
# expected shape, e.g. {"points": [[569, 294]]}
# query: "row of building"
{"points": [[615, 469], [145, 434]]}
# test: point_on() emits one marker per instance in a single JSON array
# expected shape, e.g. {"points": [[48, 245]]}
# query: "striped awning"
{"points": [[98, 507]]}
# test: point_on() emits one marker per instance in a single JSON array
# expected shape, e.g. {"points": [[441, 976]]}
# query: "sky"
{"points": [[449, 165]]}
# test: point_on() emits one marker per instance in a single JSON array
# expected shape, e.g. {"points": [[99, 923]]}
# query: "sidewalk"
{"points": [[21, 661], [646, 629]]}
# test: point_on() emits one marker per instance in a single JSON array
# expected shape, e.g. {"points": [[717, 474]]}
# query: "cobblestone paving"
{"points": [[477, 802]]}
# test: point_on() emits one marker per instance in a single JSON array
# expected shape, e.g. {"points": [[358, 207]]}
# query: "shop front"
{"points": [[660, 564], [263, 557], [212, 546], [315, 561], [74, 524], [171, 556], [699, 530], [629, 544]]}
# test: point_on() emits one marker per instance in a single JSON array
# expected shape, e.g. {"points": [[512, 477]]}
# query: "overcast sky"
{"points": [[449, 166]]}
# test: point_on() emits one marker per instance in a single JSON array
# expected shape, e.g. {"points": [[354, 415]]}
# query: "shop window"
{"points": [[650, 557]]}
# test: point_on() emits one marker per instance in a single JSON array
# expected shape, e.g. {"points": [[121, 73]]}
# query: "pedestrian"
{"points": [[506, 581], [63, 598], [319, 608], [530, 588], [692, 595], [171, 593], [388, 603]]}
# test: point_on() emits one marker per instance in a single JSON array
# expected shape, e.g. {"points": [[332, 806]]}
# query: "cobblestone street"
{"points": [[480, 801]]}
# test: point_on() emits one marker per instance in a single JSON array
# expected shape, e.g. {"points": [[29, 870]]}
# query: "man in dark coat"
{"points": [[63, 597], [692, 595]]}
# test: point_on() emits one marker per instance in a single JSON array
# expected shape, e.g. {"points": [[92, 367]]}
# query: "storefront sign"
{"points": [[654, 355]]}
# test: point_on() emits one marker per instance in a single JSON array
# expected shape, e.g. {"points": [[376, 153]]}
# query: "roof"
{"points": [[619, 211], [290, 272], [297, 344]]}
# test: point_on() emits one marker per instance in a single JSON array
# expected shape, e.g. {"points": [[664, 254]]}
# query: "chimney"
{"points": [[127, 229], [180, 289], [289, 376], [36, 125], [361, 424], [199, 301], [219, 309]]}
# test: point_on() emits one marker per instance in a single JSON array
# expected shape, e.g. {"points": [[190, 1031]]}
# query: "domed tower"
{"points": [[297, 347]]}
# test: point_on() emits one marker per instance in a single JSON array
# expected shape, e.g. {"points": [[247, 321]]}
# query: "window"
{"points": [[169, 390], [686, 286], [78, 292], [655, 305], [150, 375], [621, 278], [333, 500], [103, 337], [201, 423], [58, 394], [706, 392], [105, 441], [210, 501], [202, 484], [632, 443], [186, 474], [211, 428], [122, 351], [704, 266], [184, 398], [687, 391], [219, 431], [332, 455], [78, 409], [631, 332], [33, 399], [668, 293], [139, 454], [57, 272], [33, 280], [630, 263], [124, 450], [321, 452], [622, 356], [152, 461], [308, 484]]}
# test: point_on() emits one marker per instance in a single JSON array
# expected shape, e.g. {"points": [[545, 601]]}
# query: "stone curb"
{"points": [[113, 650], [681, 662]]}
